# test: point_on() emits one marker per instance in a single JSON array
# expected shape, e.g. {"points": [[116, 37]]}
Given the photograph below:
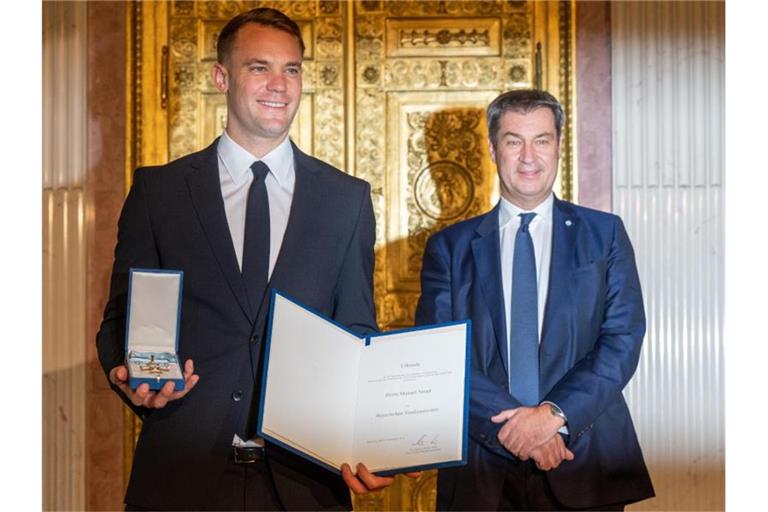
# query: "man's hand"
{"points": [[366, 482], [526, 428], [550, 454], [142, 396]]}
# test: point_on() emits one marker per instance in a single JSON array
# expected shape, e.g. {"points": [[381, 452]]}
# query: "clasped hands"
{"points": [[360, 483], [531, 432]]}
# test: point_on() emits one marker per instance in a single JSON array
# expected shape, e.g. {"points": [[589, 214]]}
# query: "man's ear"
{"points": [[492, 149], [220, 77]]}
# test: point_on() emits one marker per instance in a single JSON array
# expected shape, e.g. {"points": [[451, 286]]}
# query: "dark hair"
{"points": [[523, 101], [264, 16]]}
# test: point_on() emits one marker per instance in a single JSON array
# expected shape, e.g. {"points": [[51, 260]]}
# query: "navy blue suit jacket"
{"points": [[592, 331], [174, 218]]}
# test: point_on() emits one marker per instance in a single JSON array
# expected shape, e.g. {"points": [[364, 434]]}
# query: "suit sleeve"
{"points": [[599, 377], [353, 296], [435, 305], [135, 248]]}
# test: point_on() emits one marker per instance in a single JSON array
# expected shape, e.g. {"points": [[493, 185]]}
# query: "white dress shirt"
{"points": [[235, 177]]}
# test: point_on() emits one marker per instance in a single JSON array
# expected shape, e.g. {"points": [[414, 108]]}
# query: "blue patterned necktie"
{"points": [[524, 319], [256, 238]]}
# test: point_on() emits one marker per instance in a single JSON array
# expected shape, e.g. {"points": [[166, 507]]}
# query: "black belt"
{"points": [[248, 454]]}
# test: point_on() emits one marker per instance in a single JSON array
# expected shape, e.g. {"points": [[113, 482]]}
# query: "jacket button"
{"points": [[255, 339], [237, 396], [482, 436]]}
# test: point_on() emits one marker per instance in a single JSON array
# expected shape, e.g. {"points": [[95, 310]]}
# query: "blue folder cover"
{"points": [[365, 340]]}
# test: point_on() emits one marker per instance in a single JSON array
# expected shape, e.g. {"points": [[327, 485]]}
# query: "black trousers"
{"points": [[242, 487], [527, 488]]}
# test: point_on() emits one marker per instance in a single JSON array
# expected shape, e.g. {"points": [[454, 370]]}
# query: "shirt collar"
{"points": [[509, 211], [237, 160]]}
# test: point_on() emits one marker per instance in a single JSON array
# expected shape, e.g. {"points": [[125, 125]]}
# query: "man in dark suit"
{"points": [[557, 325], [248, 213]]}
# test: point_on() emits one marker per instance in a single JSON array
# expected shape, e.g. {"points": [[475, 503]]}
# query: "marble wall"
{"points": [[105, 194]]}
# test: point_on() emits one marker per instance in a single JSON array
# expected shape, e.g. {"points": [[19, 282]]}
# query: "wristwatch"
{"points": [[556, 411]]}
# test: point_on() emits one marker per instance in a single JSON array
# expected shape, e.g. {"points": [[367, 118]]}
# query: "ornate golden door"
{"points": [[394, 92]]}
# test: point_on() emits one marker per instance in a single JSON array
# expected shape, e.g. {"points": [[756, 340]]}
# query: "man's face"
{"points": [[526, 152], [262, 80]]}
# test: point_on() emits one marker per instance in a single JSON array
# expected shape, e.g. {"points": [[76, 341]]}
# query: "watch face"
{"points": [[556, 411]]}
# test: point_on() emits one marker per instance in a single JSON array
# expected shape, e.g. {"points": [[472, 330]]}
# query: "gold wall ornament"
{"points": [[411, 37], [394, 92]]}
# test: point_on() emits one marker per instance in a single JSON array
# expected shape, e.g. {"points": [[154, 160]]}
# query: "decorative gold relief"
{"points": [[328, 75], [443, 37], [443, 190], [329, 37], [424, 495], [183, 7], [328, 7], [517, 36], [423, 73], [451, 8]]}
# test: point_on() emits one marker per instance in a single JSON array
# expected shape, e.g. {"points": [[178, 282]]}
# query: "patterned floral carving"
{"points": [[223, 10], [371, 74], [328, 75], [518, 73], [414, 74], [369, 36], [444, 37], [328, 7], [329, 42], [184, 38], [183, 7], [329, 127], [517, 36], [370, 5], [424, 495], [442, 7]]}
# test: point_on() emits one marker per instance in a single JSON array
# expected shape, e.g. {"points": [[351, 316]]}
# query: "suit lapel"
{"points": [[557, 314], [205, 189], [485, 249]]}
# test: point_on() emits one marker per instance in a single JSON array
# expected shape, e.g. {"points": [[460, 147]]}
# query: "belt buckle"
{"points": [[248, 454]]}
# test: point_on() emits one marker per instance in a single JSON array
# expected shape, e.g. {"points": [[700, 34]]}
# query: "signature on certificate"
{"points": [[426, 439]]}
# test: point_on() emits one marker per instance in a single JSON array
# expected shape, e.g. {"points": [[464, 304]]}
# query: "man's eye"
{"points": [[542, 142], [258, 69], [293, 71]]}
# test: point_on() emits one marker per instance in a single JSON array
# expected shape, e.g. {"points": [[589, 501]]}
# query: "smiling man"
{"points": [[248, 213], [557, 325]]}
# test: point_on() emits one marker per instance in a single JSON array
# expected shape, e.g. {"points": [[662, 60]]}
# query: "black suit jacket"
{"points": [[174, 218]]}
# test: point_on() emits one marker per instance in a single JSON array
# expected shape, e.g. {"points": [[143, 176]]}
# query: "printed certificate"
{"points": [[395, 401]]}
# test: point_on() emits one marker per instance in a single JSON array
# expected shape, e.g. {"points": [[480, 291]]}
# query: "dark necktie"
{"points": [[256, 239], [524, 319]]}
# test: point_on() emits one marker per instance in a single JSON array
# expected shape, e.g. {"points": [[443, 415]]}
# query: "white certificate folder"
{"points": [[395, 401]]}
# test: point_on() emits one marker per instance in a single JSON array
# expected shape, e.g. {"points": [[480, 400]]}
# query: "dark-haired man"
{"points": [[246, 214], [557, 325]]}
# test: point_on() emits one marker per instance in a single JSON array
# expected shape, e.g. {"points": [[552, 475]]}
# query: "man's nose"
{"points": [[276, 82], [527, 153]]}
